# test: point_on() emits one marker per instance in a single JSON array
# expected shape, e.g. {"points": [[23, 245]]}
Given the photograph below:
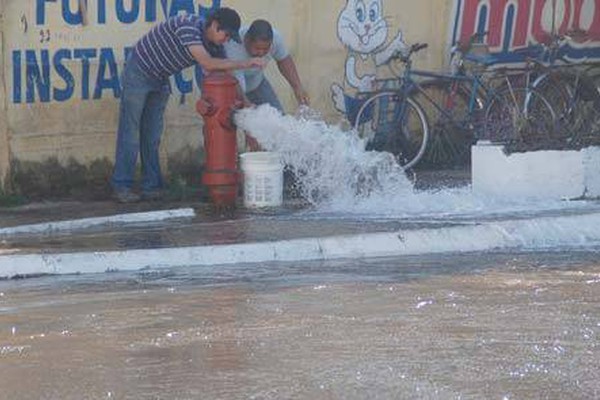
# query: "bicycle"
{"points": [[514, 110], [575, 94], [395, 120]]}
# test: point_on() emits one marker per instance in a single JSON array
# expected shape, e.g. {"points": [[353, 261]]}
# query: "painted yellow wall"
{"points": [[4, 136], [84, 129], [310, 30]]}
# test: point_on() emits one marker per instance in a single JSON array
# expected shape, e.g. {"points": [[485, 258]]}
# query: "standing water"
{"points": [[504, 326], [336, 175]]}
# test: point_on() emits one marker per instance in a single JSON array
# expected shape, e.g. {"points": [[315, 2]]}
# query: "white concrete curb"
{"points": [[542, 233], [86, 223], [536, 174]]}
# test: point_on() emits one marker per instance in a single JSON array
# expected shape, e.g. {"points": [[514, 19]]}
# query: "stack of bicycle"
{"points": [[541, 101]]}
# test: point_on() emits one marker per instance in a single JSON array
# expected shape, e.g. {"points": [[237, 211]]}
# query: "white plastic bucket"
{"points": [[263, 179]]}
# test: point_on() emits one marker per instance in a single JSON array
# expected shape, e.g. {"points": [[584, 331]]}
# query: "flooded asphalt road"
{"points": [[475, 326]]}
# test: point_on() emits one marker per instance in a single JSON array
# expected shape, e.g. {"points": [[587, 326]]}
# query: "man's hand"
{"points": [[248, 104], [204, 107], [302, 97], [287, 67], [252, 143], [255, 62]]}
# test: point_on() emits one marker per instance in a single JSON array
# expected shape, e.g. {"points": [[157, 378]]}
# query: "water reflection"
{"points": [[143, 240], [465, 326]]}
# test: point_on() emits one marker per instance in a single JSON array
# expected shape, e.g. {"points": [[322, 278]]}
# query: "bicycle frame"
{"points": [[474, 83]]}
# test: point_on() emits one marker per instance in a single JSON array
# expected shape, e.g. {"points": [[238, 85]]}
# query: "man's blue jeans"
{"points": [[264, 94], [141, 122]]}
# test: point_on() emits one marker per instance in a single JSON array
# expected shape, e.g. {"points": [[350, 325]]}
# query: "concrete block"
{"points": [[591, 165], [538, 174]]}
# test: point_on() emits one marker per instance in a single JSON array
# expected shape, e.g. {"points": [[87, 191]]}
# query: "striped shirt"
{"points": [[164, 51]]}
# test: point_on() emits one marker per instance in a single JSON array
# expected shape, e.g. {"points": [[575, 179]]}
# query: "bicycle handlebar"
{"points": [[554, 39], [549, 50], [475, 38], [415, 48], [405, 57]]}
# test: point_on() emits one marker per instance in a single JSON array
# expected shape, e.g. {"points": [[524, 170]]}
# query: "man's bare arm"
{"points": [[288, 69], [210, 63]]}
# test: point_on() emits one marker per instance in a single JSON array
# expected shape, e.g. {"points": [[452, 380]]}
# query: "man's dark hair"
{"points": [[260, 30], [228, 19]]}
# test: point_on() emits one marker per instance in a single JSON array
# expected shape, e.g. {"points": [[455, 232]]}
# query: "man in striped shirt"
{"points": [[171, 46]]}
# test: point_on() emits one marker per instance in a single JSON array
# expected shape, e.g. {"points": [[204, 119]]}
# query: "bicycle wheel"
{"points": [[396, 124], [519, 115], [557, 88], [584, 127], [452, 121]]}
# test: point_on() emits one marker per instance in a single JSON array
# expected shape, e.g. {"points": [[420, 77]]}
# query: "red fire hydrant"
{"points": [[219, 100]]}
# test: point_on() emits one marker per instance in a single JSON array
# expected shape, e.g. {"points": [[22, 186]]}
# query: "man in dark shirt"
{"points": [[168, 48]]}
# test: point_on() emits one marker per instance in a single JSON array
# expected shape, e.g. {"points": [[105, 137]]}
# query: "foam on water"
{"points": [[330, 164], [337, 175]]}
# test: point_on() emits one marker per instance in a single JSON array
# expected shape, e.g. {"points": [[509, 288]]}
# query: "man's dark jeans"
{"points": [[141, 122]]}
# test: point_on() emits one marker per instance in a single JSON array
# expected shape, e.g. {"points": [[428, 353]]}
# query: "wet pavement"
{"points": [[42, 212], [242, 226], [481, 326], [210, 226], [221, 227], [486, 325]]}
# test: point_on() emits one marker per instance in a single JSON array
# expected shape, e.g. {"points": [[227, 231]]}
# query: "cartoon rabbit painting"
{"points": [[363, 29]]}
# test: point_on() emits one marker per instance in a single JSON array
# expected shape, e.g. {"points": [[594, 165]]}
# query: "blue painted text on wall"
{"points": [[49, 76], [126, 11], [44, 75]]}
